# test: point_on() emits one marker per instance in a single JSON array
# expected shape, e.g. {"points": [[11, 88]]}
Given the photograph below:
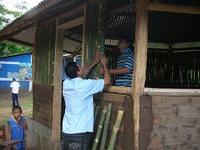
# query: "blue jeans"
{"points": [[76, 141], [15, 99]]}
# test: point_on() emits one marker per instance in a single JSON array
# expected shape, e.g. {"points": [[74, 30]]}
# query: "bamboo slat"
{"points": [[99, 130], [115, 130], [106, 127]]}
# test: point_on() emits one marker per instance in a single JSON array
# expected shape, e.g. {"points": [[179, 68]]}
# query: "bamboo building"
{"points": [[161, 109]]}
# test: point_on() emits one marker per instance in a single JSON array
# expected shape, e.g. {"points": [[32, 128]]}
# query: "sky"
{"points": [[9, 4]]}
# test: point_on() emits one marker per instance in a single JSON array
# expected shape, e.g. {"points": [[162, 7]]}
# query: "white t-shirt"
{"points": [[15, 87], [79, 111]]}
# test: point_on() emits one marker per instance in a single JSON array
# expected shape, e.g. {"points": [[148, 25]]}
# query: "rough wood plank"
{"points": [[72, 12], [171, 92], [23, 20], [83, 41], [141, 42], [43, 104], [34, 57], [71, 24], [17, 31], [154, 91], [57, 95], [174, 8], [117, 89]]}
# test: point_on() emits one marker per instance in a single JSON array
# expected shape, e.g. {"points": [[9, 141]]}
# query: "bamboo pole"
{"points": [[99, 130], [106, 127], [115, 130], [96, 112], [94, 33]]}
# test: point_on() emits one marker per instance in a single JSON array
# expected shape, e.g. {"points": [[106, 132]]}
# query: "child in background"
{"points": [[16, 127]]}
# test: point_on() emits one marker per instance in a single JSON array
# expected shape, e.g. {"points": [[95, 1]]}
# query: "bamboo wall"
{"points": [[44, 67], [94, 36], [45, 49], [166, 69], [176, 69]]}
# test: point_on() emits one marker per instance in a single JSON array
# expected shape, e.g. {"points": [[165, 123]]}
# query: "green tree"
{"points": [[6, 18]]}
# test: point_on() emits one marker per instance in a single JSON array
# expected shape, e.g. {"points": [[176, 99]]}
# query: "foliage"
{"points": [[7, 49], [6, 16]]}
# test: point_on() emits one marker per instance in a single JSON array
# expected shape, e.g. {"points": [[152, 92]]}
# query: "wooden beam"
{"points": [[174, 8], [20, 42], [154, 91], [71, 24], [122, 8], [57, 92], [72, 39], [25, 18], [139, 75], [71, 12], [118, 89], [34, 57], [17, 31], [171, 92], [83, 39]]}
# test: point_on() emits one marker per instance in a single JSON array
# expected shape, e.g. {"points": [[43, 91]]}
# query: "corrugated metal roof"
{"points": [[164, 27]]}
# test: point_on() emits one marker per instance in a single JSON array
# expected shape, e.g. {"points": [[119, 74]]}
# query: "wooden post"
{"points": [[141, 35], [34, 56], [83, 40], [57, 92]]}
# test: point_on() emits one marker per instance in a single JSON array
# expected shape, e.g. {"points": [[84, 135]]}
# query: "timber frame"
{"points": [[54, 10]]}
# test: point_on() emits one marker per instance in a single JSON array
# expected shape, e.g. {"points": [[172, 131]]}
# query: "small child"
{"points": [[16, 127]]}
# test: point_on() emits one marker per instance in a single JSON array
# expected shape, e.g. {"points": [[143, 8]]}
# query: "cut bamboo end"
{"points": [[115, 129], [100, 126], [96, 140], [120, 113]]}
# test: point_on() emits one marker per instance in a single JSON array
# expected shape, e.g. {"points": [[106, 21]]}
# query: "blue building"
{"points": [[18, 66]]}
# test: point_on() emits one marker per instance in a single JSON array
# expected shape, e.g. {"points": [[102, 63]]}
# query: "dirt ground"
{"points": [[25, 101]]}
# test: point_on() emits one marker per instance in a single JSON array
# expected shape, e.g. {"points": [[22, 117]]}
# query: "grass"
{"points": [[26, 102]]}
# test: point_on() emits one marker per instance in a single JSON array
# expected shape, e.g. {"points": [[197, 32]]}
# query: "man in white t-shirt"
{"points": [[78, 93], [15, 90]]}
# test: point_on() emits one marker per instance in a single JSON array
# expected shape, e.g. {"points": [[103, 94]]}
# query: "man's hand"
{"points": [[97, 57], [104, 60], [101, 71]]}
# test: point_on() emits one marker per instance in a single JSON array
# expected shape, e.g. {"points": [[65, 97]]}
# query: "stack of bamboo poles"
{"points": [[101, 137]]}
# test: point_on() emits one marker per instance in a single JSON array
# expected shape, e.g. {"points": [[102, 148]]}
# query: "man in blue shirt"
{"points": [[125, 64], [78, 95]]}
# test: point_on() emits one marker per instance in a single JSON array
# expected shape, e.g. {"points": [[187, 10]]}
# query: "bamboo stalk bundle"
{"points": [[99, 129], [96, 112], [101, 21], [106, 127], [115, 130], [94, 33]]}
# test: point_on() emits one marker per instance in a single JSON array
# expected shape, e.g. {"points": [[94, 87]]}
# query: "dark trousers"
{"points": [[76, 141], [15, 99]]}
